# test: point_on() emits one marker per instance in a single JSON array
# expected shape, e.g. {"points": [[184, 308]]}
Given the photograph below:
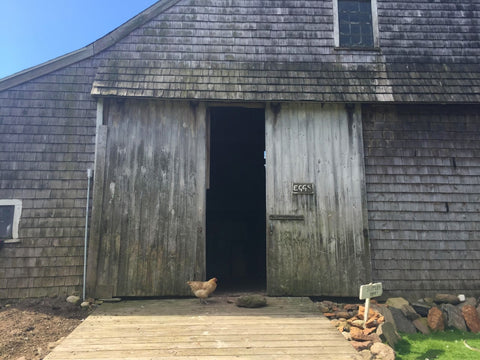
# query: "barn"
{"points": [[301, 147]]}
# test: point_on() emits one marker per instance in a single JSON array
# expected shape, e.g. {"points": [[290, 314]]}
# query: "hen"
{"points": [[202, 289]]}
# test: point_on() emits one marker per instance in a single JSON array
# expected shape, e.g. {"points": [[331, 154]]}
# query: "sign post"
{"points": [[366, 293]]}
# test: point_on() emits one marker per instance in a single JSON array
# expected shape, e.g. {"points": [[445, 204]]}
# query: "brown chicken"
{"points": [[202, 289]]}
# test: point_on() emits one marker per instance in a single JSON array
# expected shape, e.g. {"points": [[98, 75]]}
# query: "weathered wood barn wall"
{"points": [[422, 170], [47, 142], [390, 132]]}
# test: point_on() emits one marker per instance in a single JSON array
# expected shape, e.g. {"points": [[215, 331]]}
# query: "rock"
{"points": [[323, 307], [335, 322], [251, 301], [375, 321], [436, 320], [471, 318], [454, 318], [358, 334], [429, 301], [403, 305], [468, 301], [85, 305], [346, 335], [73, 299], [421, 308], [388, 334], [351, 307], [422, 325], [357, 323], [387, 314], [343, 315], [401, 322], [365, 355], [361, 345], [343, 326], [409, 312], [374, 338], [382, 352], [446, 299], [397, 302], [361, 312]]}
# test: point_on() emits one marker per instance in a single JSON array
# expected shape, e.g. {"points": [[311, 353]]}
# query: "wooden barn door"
{"points": [[148, 223], [317, 238]]}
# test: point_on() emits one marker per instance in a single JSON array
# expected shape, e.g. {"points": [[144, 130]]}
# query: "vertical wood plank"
{"points": [[94, 268], [327, 253], [152, 229]]}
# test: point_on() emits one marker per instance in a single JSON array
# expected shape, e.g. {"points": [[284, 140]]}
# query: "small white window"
{"points": [[355, 24], [10, 212]]}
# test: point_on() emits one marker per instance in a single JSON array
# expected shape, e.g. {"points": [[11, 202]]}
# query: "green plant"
{"points": [[445, 345]]}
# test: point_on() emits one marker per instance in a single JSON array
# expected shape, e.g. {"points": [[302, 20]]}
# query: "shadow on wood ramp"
{"points": [[288, 328]]}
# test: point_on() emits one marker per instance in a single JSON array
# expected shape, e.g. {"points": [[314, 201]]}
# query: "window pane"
{"points": [[344, 28], [355, 23], [365, 6], [6, 221], [348, 5]]}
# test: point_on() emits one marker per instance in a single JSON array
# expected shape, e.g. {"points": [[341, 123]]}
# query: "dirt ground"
{"points": [[30, 329]]}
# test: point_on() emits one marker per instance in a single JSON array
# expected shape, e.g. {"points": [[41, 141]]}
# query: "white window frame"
{"points": [[17, 213], [336, 25]]}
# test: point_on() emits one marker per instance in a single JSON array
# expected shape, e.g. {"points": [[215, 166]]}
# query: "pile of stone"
{"points": [[397, 315]]}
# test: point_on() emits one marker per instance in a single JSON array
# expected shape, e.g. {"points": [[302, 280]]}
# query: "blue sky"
{"points": [[35, 31]]}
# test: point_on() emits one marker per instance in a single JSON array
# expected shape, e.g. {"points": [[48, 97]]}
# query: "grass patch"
{"points": [[445, 345]]}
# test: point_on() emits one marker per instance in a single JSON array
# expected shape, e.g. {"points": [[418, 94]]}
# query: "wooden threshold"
{"points": [[288, 328]]}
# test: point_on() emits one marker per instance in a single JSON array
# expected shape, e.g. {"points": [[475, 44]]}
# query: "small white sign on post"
{"points": [[366, 293]]}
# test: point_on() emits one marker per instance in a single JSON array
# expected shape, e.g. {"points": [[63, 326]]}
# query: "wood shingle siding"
{"points": [[47, 132], [284, 51], [422, 169]]}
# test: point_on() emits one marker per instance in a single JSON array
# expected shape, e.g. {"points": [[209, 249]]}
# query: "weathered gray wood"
{"points": [[328, 252], [95, 228], [151, 232], [286, 51], [422, 166], [288, 328], [47, 132]]}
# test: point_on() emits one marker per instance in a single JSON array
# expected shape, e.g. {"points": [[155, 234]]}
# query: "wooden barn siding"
{"points": [[328, 252], [422, 171], [148, 229], [47, 135]]}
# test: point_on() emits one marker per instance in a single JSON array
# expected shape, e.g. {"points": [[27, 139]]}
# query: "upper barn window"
{"points": [[355, 23]]}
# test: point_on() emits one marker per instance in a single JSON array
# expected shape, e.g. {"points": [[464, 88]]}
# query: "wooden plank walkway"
{"points": [[184, 329]]}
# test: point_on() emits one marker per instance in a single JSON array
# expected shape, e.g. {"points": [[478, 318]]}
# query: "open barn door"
{"points": [[236, 198], [317, 241]]}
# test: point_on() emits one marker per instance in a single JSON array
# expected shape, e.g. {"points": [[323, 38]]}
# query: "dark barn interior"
{"points": [[236, 198]]}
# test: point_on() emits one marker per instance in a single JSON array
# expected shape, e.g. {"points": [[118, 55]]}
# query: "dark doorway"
{"points": [[236, 198]]}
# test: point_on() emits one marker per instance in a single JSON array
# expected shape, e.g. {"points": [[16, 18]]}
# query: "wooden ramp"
{"points": [[288, 328]]}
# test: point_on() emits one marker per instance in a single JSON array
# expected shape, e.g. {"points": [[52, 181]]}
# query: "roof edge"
{"points": [[88, 51]]}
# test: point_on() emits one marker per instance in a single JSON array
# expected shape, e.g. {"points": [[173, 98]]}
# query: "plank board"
{"points": [[328, 252], [288, 328], [148, 221]]}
